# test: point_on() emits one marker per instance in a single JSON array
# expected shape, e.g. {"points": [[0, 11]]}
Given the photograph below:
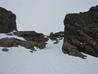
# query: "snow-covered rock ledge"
{"points": [[26, 39]]}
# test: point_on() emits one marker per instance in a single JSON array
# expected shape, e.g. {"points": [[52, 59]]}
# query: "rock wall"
{"points": [[81, 32], [7, 21]]}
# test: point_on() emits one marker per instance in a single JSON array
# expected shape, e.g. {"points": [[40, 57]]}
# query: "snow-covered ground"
{"points": [[50, 60]]}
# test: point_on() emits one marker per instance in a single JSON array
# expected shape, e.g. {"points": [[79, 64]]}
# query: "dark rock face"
{"points": [[7, 21], [81, 32]]}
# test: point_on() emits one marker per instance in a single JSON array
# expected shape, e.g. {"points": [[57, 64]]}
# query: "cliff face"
{"points": [[81, 33], [7, 21]]}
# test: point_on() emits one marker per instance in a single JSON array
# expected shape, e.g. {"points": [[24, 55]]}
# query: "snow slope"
{"points": [[50, 60], [44, 16]]}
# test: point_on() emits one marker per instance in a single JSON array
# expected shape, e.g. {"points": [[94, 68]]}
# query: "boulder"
{"points": [[81, 32], [7, 21], [5, 49]]}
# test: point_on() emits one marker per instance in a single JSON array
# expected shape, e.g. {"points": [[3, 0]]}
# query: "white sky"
{"points": [[44, 15]]}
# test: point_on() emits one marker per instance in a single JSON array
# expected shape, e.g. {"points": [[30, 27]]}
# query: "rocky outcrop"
{"points": [[56, 36], [7, 21], [13, 42], [81, 32], [38, 39], [30, 35], [32, 40]]}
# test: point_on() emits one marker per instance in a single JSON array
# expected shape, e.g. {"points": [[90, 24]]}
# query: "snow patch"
{"points": [[10, 35]]}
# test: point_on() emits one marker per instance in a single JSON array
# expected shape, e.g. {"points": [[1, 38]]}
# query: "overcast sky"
{"points": [[44, 15]]}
